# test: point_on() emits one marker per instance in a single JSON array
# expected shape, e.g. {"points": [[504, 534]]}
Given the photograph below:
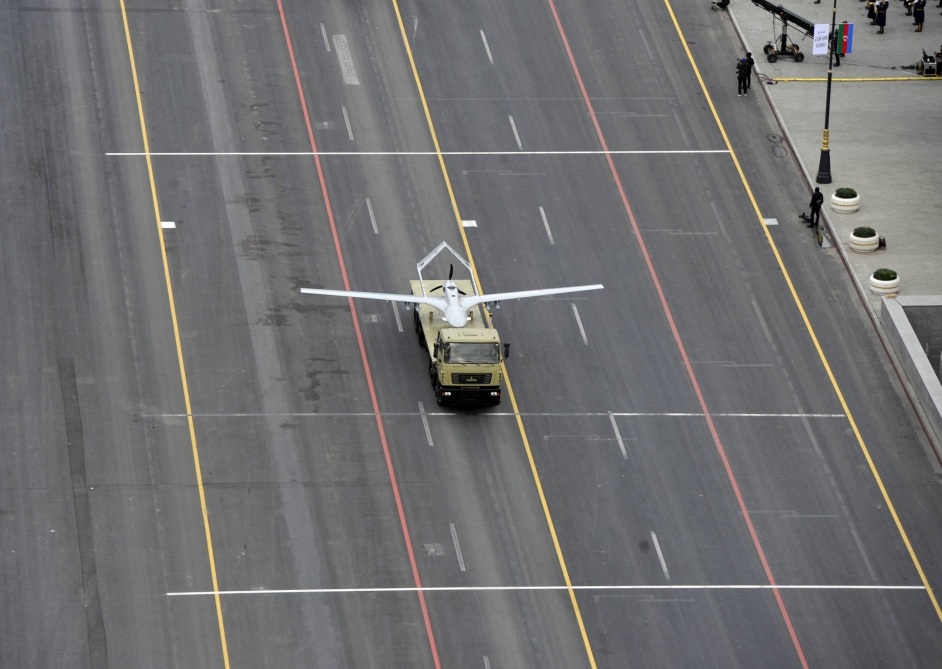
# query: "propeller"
{"points": [[451, 273]]}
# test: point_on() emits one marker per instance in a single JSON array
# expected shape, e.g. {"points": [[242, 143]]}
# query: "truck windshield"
{"points": [[480, 354]]}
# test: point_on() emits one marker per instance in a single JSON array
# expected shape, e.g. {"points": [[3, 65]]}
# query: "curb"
{"points": [[895, 363]]}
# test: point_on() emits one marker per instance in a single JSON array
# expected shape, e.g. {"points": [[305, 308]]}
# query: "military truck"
{"points": [[465, 363]]}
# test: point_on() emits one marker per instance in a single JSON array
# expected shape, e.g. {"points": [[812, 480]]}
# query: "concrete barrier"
{"points": [[911, 355]]}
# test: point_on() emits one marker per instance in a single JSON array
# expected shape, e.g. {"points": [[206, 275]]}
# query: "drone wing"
{"points": [[435, 302], [471, 300]]}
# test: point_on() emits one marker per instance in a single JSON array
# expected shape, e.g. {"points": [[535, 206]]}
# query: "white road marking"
{"points": [[487, 663], [168, 225], [469, 224], [516, 134], [395, 308], [326, 41], [621, 444], [770, 221], [346, 61], [683, 135], [647, 47], [428, 432], [660, 555], [638, 414], [212, 154], [537, 588], [454, 537], [369, 207], [487, 48], [346, 119], [546, 225], [575, 313]]}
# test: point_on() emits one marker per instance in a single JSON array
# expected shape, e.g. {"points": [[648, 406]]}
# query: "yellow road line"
{"points": [[510, 392], [176, 338], [912, 78], [804, 316]]}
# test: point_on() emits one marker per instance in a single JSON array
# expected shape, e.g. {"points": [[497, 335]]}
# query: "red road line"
{"points": [[356, 327], [680, 344]]}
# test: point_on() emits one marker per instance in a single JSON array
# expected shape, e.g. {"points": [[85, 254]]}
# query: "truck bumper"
{"points": [[460, 395]]}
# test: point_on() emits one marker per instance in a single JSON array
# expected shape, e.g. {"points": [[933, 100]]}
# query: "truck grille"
{"points": [[480, 379]]}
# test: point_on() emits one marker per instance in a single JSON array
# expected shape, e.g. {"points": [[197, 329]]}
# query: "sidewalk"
{"points": [[885, 136]]}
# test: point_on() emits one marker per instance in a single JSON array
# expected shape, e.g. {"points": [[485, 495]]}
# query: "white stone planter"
{"points": [[844, 205], [864, 244], [884, 287]]}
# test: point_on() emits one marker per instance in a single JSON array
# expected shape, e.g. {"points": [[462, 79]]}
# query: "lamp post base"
{"points": [[824, 168]]}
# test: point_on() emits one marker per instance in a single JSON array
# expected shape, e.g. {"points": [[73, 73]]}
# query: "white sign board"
{"points": [[821, 32]]}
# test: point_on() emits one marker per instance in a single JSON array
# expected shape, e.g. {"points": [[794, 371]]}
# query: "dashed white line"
{"points": [[454, 537], [469, 224], [516, 134], [428, 432], [504, 414], [546, 225], [369, 208], [575, 312], [660, 555], [487, 48], [326, 41], [168, 225], [621, 444], [487, 663], [395, 308], [537, 588], [346, 119]]}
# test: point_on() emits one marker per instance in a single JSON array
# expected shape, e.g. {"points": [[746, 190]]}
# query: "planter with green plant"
{"points": [[845, 201], [864, 240], [884, 282]]}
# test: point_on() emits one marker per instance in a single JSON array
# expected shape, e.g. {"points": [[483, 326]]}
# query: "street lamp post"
{"points": [[824, 166]]}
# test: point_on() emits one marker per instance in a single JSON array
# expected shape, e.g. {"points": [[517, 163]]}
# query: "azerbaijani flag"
{"points": [[845, 38]]}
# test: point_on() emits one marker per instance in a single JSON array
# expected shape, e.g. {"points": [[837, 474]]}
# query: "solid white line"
{"points": [[346, 119], [395, 308], [428, 432], [660, 555], [516, 135], [579, 321], [537, 588], [369, 207], [621, 444], [454, 537], [407, 153], [487, 48], [640, 414], [326, 41], [546, 225]]}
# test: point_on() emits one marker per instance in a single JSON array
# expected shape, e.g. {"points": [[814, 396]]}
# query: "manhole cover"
{"points": [[775, 139]]}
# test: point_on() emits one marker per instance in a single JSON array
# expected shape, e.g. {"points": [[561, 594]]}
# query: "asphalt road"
{"points": [[306, 489]]}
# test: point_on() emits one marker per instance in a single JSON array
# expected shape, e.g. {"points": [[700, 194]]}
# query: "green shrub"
{"points": [[864, 232], [845, 193], [884, 274]]}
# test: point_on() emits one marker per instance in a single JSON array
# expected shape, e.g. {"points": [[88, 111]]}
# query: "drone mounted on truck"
{"points": [[465, 361]]}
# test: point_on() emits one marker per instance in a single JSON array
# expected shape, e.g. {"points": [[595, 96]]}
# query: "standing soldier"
{"points": [[817, 199], [882, 6], [742, 77], [919, 14]]}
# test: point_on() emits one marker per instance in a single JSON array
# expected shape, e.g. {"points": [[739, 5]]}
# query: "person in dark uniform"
{"points": [[882, 6], [748, 62], [742, 77], [817, 199], [872, 12], [919, 14]]}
